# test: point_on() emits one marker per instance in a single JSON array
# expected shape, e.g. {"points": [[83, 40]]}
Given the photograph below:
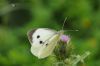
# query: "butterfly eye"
{"points": [[38, 36], [41, 42]]}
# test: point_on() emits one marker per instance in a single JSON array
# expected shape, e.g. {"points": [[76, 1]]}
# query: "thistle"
{"points": [[64, 54]]}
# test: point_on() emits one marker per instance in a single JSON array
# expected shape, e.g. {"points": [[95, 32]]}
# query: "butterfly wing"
{"points": [[49, 46], [38, 38]]}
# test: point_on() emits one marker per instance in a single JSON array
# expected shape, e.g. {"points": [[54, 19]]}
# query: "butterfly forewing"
{"points": [[42, 40]]}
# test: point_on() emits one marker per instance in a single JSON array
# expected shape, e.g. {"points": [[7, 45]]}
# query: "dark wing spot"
{"points": [[38, 36], [47, 44], [30, 33], [41, 42]]}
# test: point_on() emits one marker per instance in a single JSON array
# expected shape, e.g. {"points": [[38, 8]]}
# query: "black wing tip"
{"points": [[30, 33]]}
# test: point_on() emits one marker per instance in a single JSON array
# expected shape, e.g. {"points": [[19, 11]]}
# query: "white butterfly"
{"points": [[43, 41]]}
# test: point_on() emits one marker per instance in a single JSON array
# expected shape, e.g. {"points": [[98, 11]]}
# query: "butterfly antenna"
{"points": [[71, 30], [64, 23]]}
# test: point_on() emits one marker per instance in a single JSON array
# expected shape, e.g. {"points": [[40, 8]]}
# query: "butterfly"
{"points": [[43, 41]]}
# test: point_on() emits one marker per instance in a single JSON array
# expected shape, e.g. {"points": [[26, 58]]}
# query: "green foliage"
{"points": [[16, 20]]}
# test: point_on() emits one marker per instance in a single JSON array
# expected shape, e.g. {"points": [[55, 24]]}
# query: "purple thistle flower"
{"points": [[65, 38]]}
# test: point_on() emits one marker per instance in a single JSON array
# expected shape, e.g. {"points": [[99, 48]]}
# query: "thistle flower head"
{"points": [[65, 38]]}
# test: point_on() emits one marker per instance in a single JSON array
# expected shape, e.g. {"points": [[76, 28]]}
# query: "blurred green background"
{"points": [[19, 16]]}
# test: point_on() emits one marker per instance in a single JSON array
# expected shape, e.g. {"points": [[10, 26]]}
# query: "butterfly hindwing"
{"points": [[49, 46]]}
